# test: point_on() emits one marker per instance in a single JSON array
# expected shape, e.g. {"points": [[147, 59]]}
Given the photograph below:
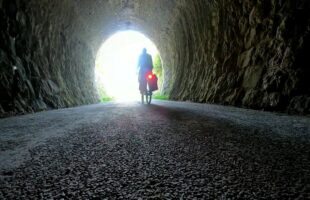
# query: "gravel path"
{"points": [[168, 150]]}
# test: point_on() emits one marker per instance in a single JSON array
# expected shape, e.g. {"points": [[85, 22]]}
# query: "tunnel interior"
{"points": [[249, 54]]}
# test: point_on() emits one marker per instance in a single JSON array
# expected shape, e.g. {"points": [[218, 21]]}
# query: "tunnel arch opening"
{"points": [[116, 65]]}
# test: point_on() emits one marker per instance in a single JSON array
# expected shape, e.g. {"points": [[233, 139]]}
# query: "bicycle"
{"points": [[151, 85], [148, 96]]}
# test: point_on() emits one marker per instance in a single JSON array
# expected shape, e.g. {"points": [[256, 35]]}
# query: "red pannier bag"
{"points": [[152, 82]]}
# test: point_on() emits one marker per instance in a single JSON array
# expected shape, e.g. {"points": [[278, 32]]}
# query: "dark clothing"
{"points": [[145, 62], [145, 66]]}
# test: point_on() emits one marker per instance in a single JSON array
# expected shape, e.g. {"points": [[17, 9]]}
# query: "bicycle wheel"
{"points": [[148, 97]]}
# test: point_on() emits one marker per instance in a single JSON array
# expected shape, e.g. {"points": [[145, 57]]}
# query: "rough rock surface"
{"points": [[54, 68], [180, 151], [242, 53]]}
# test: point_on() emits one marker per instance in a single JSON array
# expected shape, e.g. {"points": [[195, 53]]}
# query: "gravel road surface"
{"points": [[167, 150]]}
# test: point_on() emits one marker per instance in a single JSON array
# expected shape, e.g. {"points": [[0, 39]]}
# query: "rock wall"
{"points": [[248, 53], [244, 53], [54, 68]]}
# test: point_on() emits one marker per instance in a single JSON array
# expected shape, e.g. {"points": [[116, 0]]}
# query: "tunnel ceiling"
{"points": [[100, 18], [242, 53]]}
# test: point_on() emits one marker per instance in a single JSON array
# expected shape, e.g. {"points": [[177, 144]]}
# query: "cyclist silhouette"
{"points": [[145, 66]]}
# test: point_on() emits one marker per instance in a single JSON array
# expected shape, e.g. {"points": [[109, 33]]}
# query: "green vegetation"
{"points": [[103, 95], [157, 65], [106, 99], [158, 70], [160, 97]]}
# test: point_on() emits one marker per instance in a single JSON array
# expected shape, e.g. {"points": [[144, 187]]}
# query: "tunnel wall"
{"points": [[249, 53], [54, 66], [243, 53]]}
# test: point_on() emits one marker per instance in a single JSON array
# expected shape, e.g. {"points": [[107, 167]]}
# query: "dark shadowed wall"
{"points": [[249, 53]]}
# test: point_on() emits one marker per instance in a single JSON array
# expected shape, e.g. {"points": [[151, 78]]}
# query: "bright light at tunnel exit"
{"points": [[116, 64]]}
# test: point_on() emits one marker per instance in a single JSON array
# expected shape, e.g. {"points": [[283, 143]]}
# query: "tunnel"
{"points": [[251, 54]]}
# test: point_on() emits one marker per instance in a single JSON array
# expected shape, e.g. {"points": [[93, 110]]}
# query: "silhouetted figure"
{"points": [[145, 66]]}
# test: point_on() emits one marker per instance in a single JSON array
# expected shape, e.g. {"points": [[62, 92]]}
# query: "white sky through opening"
{"points": [[116, 64]]}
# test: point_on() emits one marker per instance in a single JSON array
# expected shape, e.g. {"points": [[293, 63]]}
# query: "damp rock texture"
{"points": [[244, 53], [53, 67]]}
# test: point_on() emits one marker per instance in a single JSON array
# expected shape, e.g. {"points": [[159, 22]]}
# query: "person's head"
{"points": [[144, 50]]}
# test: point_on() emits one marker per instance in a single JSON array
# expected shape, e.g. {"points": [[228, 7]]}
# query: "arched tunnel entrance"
{"points": [[238, 53], [116, 65], [250, 54]]}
